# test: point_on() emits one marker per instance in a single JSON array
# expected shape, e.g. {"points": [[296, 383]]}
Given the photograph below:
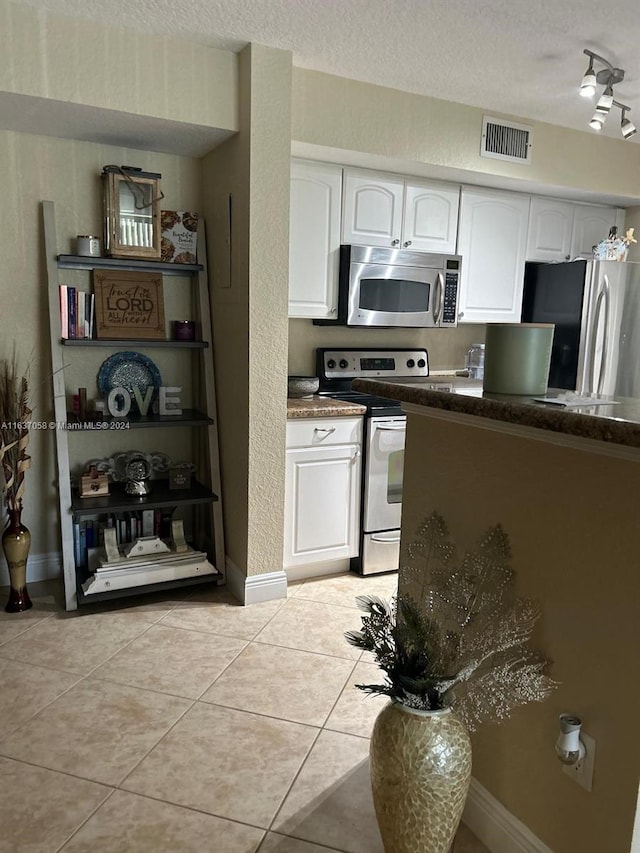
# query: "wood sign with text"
{"points": [[129, 305]]}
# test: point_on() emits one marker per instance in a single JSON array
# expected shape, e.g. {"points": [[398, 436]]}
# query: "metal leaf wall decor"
{"points": [[456, 636]]}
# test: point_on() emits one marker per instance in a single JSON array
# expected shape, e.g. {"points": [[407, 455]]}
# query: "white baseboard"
{"points": [[496, 827], [318, 570], [255, 588], [40, 567]]}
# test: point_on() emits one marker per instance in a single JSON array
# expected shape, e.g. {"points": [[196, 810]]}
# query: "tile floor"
{"points": [[190, 723]]}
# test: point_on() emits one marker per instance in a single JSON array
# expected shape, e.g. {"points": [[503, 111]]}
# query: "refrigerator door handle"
{"points": [[605, 335], [594, 342]]}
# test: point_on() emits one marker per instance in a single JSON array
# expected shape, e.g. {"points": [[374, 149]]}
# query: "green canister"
{"points": [[517, 358]]}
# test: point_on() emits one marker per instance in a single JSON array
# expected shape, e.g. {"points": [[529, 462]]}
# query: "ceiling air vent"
{"points": [[504, 140]]}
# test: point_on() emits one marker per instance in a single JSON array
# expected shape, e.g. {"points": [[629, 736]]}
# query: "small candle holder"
{"points": [[184, 330]]}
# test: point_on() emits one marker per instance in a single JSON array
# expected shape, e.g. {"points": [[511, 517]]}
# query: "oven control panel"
{"points": [[371, 364]]}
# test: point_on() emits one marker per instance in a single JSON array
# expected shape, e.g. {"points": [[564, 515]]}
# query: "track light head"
{"points": [[588, 85], [598, 120], [605, 101], [626, 127]]}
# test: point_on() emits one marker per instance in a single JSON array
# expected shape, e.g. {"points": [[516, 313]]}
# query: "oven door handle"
{"points": [[437, 300], [388, 538]]}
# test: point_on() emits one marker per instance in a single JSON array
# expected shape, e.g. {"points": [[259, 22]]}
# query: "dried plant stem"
{"points": [[15, 415]]}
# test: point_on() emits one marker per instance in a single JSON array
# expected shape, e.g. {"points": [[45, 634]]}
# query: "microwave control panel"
{"points": [[450, 299]]}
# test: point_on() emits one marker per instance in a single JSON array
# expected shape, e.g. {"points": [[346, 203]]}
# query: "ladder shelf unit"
{"points": [[204, 494]]}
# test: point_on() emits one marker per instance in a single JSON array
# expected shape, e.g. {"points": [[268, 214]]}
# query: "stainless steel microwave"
{"points": [[393, 287]]}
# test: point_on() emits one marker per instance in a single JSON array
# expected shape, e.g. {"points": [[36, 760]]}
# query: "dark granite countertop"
{"points": [[322, 407], [617, 422]]}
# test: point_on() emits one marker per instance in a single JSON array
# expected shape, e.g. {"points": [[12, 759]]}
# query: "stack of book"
{"points": [[77, 313], [128, 526]]}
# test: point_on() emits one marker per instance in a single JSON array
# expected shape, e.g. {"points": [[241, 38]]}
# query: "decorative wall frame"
{"points": [[129, 305]]}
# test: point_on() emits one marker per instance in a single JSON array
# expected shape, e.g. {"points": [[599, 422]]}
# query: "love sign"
{"points": [[120, 400]]}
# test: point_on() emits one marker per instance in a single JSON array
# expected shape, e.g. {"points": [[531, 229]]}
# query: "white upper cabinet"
{"points": [[380, 210], [492, 239], [550, 230], [591, 224], [430, 217], [372, 209], [314, 239], [561, 230]]}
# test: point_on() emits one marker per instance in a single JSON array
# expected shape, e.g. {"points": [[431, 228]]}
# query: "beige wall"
{"points": [[446, 347], [344, 114], [67, 59], [571, 519], [32, 169], [250, 307]]}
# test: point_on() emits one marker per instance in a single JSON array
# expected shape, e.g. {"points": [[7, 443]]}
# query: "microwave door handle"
{"points": [[605, 335], [437, 310]]}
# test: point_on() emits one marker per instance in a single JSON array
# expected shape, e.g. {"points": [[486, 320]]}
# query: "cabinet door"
{"points": [[591, 224], [550, 230], [314, 239], [430, 218], [372, 209], [322, 504], [492, 240]]}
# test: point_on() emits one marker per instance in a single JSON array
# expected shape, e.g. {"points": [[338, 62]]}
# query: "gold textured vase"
{"points": [[420, 774], [16, 541]]}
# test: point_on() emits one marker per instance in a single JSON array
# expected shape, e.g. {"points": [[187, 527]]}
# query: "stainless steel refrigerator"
{"points": [[595, 306]]}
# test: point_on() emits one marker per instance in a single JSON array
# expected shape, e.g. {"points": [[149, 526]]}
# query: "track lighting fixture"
{"points": [[607, 77]]}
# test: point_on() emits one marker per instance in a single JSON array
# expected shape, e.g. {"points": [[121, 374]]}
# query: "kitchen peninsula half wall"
{"points": [[564, 486]]}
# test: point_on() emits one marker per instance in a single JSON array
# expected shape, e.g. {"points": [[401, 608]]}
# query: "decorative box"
{"points": [[131, 207], [93, 484], [179, 243]]}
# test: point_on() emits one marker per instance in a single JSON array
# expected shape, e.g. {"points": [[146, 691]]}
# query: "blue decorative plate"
{"points": [[128, 370]]}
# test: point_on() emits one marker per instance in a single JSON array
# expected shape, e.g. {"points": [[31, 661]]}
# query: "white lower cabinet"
{"points": [[322, 490]]}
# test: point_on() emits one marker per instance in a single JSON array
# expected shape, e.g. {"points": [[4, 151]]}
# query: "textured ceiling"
{"points": [[508, 56]]}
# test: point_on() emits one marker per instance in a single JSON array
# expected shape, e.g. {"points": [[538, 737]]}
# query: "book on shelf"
{"points": [[71, 291], [77, 313], [64, 312]]}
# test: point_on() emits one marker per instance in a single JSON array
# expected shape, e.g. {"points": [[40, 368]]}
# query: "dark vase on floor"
{"points": [[16, 541]]}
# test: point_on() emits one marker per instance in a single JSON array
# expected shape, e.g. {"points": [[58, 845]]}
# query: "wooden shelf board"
{"points": [[84, 262], [161, 496], [84, 599], [189, 417], [129, 342]]}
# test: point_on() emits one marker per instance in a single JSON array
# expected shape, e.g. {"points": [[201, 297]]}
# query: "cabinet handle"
{"points": [[333, 310], [407, 243], [325, 430], [460, 315], [395, 242]]}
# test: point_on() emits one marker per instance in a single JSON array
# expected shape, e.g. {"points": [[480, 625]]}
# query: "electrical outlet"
{"points": [[582, 771]]}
